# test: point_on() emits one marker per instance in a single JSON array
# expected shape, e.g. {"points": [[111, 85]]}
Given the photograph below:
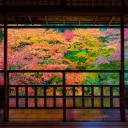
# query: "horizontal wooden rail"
{"points": [[29, 71]]}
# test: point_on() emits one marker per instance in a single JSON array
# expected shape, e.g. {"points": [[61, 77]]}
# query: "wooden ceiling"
{"points": [[93, 12], [87, 19], [90, 19], [66, 2]]}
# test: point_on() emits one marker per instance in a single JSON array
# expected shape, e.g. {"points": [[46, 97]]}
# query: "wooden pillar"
{"points": [[122, 92], [5, 70], [4, 2], [64, 98]]}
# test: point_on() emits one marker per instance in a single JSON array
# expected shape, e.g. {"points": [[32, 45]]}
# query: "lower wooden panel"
{"points": [[35, 115], [57, 115]]}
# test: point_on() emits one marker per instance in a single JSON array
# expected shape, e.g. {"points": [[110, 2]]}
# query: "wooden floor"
{"points": [[66, 125]]}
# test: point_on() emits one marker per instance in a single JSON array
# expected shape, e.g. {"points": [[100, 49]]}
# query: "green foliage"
{"points": [[12, 67], [92, 80], [41, 91], [56, 79]]}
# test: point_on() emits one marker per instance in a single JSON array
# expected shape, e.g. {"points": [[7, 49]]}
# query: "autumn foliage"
{"points": [[63, 49]]}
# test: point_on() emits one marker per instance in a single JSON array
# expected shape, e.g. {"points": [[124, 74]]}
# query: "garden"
{"points": [[63, 49]]}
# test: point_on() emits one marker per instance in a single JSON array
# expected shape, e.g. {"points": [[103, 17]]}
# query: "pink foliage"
{"points": [[54, 66], [126, 33], [126, 43], [68, 35], [30, 91], [113, 36], [100, 60], [116, 56]]}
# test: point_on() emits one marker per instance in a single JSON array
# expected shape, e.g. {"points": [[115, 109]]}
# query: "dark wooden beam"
{"points": [[5, 71], [57, 8], [57, 13], [64, 99], [122, 89], [64, 26]]}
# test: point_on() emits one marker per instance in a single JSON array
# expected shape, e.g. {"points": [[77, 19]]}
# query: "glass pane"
{"points": [[31, 102], [116, 102], [87, 91], [52, 78], [106, 91], [97, 91], [40, 102], [59, 91], [87, 102], [64, 48], [49, 102], [12, 91], [69, 91], [126, 79], [78, 102], [116, 91], [1, 49], [106, 102], [12, 102], [31, 91], [97, 102], [78, 91], [40, 91], [126, 47], [21, 91], [21, 102], [69, 102], [35, 78], [59, 102], [49, 91], [103, 78]]}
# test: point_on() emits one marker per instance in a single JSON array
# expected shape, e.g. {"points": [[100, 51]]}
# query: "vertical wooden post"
{"points": [[5, 70], [122, 109], [4, 3], [123, 2], [64, 97]]}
